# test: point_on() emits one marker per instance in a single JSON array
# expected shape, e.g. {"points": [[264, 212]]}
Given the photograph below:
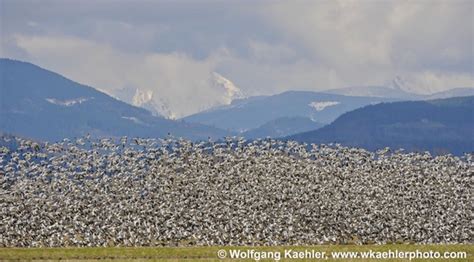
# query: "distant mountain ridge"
{"points": [[440, 126], [374, 91], [455, 92], [256, 115], [41, 104], [246, 114], [283, 126], [398, 93]]}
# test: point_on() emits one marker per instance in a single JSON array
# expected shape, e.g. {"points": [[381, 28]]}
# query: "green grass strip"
{"points": [[210, 253]]}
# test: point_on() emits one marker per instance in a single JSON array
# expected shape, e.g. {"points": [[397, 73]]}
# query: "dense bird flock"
{"points": [[144, 192]]}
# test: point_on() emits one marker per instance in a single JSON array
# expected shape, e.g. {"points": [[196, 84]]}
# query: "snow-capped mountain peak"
{"points": [[147, 100], [142, 97], [422, 84], [172, 103], [231, 91], [398, 83]]}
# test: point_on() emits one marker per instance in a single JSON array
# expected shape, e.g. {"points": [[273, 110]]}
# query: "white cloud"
{"points": [[268, 53], [369, 41], [269, 78]]}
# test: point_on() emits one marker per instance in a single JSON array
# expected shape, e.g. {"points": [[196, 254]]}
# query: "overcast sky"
{"points": [[264, 47]]}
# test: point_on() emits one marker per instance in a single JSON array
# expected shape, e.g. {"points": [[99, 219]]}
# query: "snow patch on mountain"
{"points": [[321, 105], [133, 119], [68, 102]]}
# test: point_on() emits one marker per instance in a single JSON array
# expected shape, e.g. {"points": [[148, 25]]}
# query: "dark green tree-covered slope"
{"points": [[440, 126]]}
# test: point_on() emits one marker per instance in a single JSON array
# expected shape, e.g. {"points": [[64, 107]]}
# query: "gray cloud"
{"points": [[264, 47]]}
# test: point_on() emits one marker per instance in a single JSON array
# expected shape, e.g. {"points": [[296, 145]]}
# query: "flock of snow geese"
{"points": [[147, 192]]}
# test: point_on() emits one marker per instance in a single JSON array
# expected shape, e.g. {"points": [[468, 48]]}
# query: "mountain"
{"points": [[215, 91], [442, 125], [374, 91], [229, 92], [455, 92], [283, 126], [246, 114], [396, 92], [40, 104]]}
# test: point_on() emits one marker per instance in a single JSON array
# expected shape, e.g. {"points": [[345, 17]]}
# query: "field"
{"points": [[210, 253]]}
